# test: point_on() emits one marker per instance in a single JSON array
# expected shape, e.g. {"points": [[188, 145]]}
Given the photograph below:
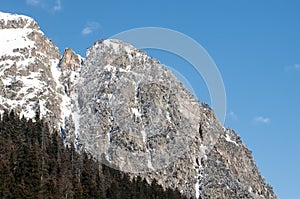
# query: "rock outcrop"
{"points": [[35, 77], [137, 117], [28, 64], [127, 110]]}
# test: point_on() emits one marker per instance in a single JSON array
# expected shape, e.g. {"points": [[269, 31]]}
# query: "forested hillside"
{"points": [[35, 163]]}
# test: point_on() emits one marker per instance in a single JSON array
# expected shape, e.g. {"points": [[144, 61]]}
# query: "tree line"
{"points": [[35, 163]]}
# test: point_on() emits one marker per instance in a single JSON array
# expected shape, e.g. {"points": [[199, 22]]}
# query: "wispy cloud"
{"points": [[90, 28], [296, 67], [293, 67], [33, 2], [52, 5], [57, 5], [262, 120], [232, 116]]}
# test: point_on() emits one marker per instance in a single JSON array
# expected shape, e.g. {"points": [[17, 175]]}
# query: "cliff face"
{"points": [[34, 75], [28, 62], [127, 110], [136, 116]]}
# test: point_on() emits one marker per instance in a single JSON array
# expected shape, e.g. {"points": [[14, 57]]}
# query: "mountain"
{"points": [[34, 74], [126, 110]]}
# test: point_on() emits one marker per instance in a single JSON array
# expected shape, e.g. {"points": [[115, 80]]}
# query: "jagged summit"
{"points": [[137, 117], [30, 70], [24, 58], [14, 21], [130, 95], [127, 110]]}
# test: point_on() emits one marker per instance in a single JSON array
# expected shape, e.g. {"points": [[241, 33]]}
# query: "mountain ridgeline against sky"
{"points": [[127, 111]]}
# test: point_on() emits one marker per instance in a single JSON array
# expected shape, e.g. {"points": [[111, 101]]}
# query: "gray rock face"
{"points": [[137, 117], [127, 110], [134, 111], [236, 175]]}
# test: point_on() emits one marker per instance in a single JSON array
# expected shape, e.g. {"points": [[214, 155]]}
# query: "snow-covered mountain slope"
{"points": [[34, 75], [127, 110]]}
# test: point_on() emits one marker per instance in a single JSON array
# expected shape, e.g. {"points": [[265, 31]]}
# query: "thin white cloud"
{"points": [[53, 5], [86, 31], [262, 120], [232, 116], [296, 67], [293, 67], [90, 28], [33, 2], [57, 5]]}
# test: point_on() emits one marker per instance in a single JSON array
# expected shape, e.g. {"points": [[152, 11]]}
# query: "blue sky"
{"points": [[255, 44]]}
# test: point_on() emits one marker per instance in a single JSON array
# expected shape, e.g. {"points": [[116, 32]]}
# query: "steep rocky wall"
{"points": [[137, 117]]}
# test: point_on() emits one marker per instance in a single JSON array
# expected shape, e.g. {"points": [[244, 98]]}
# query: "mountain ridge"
{"points": [[119, 103]]}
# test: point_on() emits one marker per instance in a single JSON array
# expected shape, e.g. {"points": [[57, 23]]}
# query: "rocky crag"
{"points": [[34, 74], [127, 110]]}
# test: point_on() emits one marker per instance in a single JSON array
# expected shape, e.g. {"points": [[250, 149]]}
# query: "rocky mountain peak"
{"points": [[137, 117], [127, 110], [30, 71], [13, 21], [139, 106], [70, 60]]}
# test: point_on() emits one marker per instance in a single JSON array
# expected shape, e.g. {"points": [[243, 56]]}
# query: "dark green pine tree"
{"points": [[37, 164], [6, 179]]}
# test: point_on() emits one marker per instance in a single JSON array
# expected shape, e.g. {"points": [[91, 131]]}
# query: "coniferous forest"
{"points": [[35, 163]]}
